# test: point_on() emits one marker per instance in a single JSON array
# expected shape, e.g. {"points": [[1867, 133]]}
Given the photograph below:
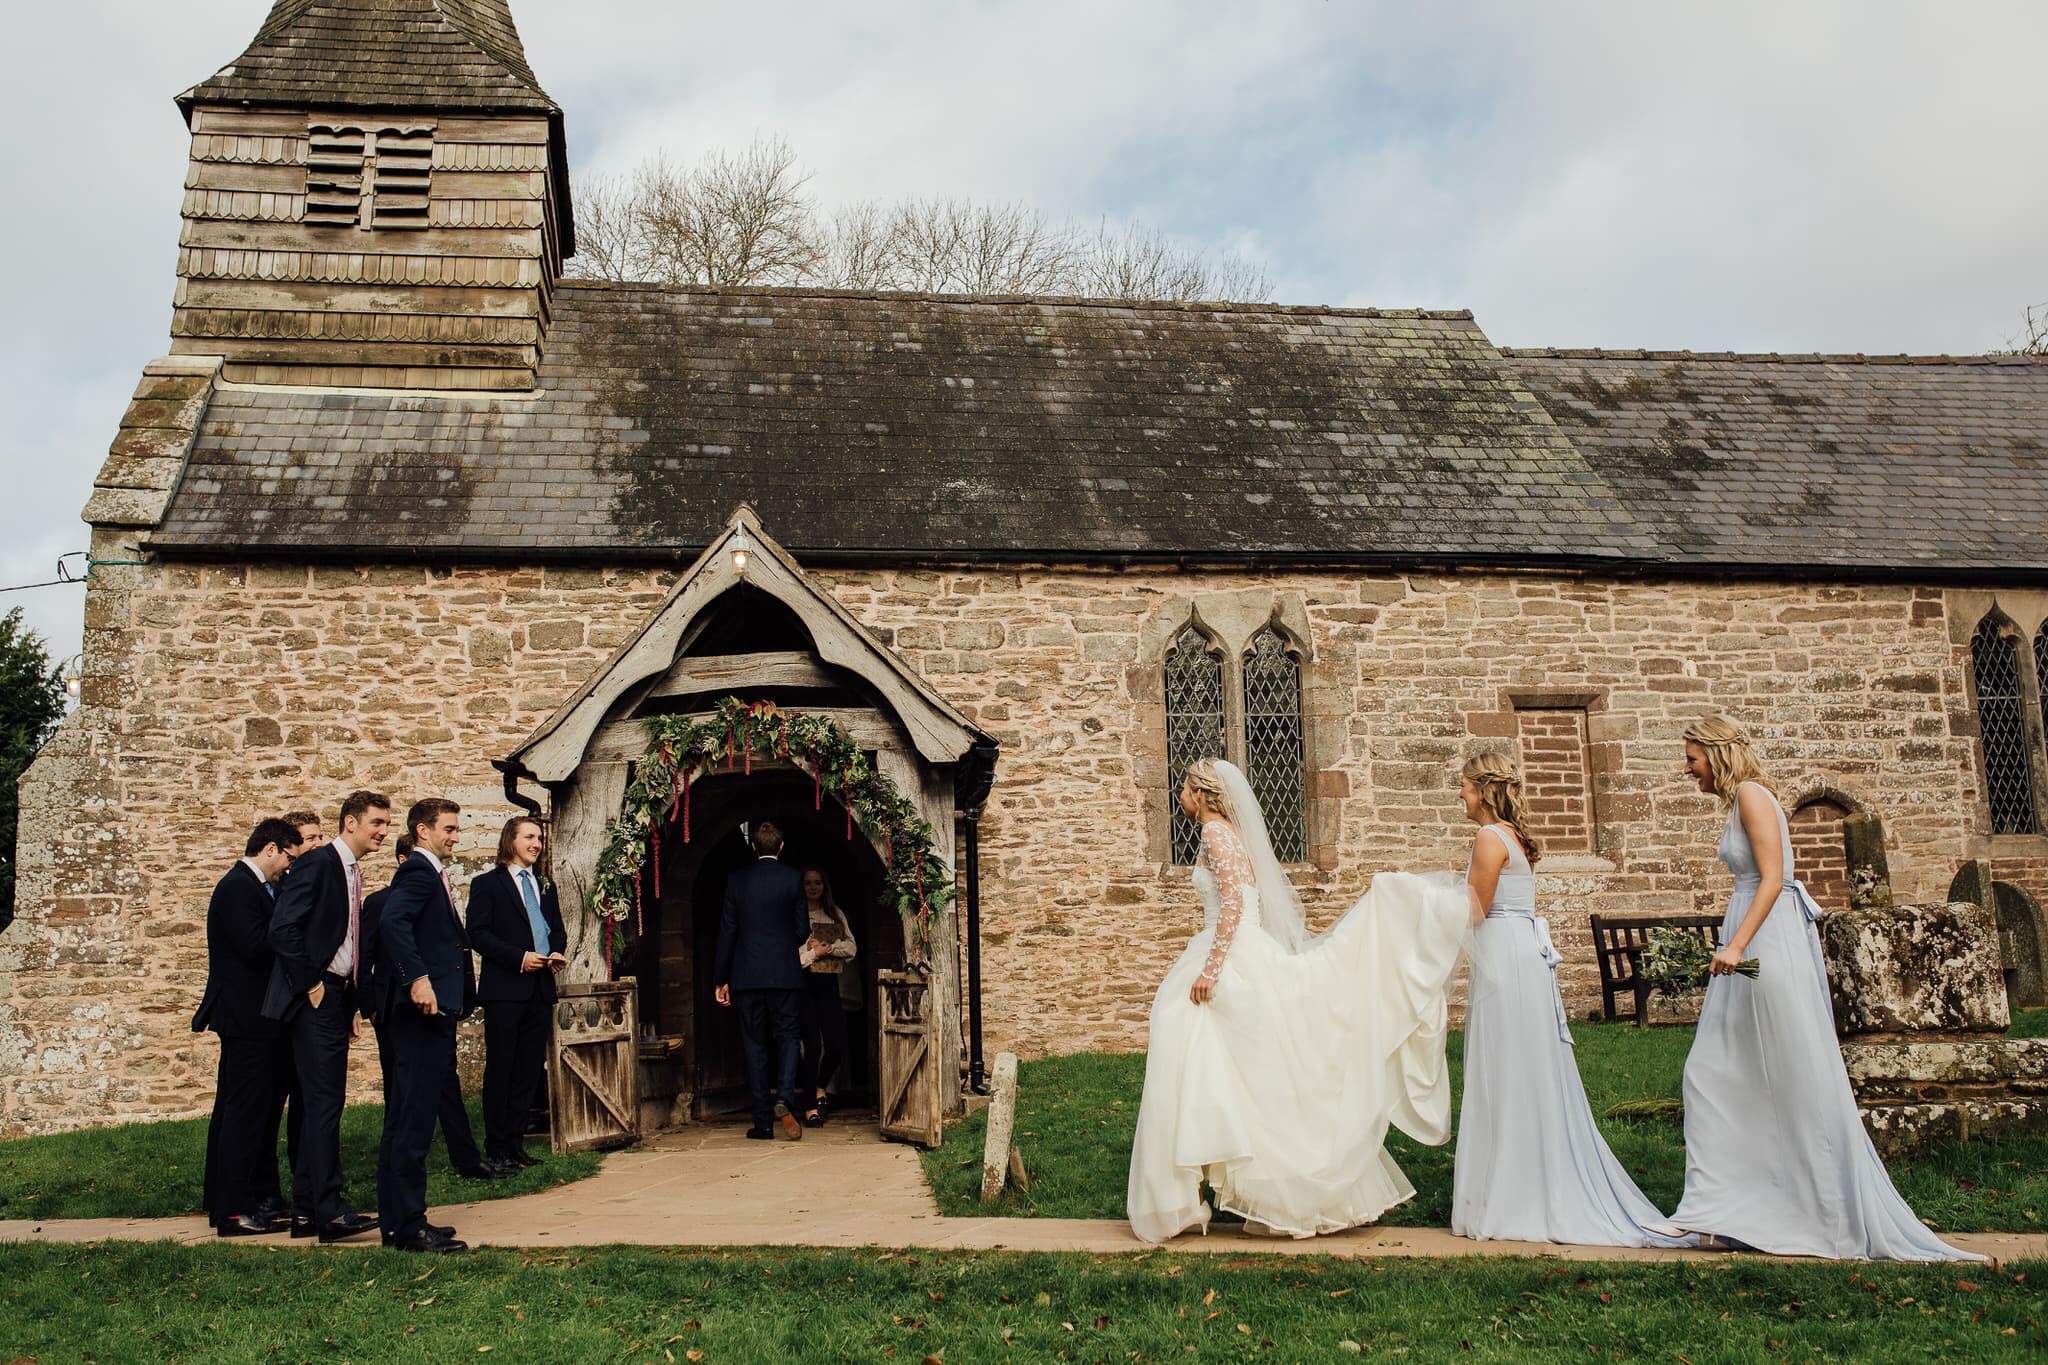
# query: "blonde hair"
{"points": [[1730, 760], [1500, 790], [1206, 781]]}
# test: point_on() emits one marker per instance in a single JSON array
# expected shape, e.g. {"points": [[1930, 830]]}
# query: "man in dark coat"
{"points": [[316, 935], [515, 925], [427, 982], [255, 1052], [451, 1114], [764, 925]]}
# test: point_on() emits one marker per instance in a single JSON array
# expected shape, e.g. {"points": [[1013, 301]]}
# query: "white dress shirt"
{"points": [[352, 881]]}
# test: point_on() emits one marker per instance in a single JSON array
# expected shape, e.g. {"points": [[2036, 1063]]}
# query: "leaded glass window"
{"points": [[2041, 674], [1194, 725], [1272, 742], [2002, 727]]}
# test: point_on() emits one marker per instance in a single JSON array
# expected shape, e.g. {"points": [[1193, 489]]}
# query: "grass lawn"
{"points": [[154, 1170], [2028, 1024], [1075, 1115], [133, 1302]]}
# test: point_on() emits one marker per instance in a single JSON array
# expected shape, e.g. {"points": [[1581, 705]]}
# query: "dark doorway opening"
{"points": [[676, 957]]}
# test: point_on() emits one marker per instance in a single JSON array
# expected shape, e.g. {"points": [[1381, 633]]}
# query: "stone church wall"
{"points": [[216, 695]]}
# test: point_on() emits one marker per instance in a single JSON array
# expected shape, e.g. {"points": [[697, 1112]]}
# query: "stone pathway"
{"points": [[839, 1187]]}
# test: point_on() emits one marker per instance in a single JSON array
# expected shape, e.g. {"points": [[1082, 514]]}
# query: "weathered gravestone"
{"points": [[1920, 1004]]}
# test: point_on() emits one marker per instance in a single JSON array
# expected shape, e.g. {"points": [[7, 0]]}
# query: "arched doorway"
{"points": [[1818, 852], [676, 958], [746, 622]]}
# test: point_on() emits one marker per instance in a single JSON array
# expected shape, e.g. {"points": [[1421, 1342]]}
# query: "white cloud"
{"points": [[1843, 176]]}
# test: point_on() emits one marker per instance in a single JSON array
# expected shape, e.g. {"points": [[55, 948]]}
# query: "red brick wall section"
{"points": [[1817, 857], [1554, 778]]}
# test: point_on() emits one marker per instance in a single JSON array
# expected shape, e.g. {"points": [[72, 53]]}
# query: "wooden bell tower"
{"points": [[378, 197]]}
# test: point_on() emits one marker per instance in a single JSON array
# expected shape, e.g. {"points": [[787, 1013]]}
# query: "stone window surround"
{"points": [[1229, 620], [1603, 760], [2027, 609]]}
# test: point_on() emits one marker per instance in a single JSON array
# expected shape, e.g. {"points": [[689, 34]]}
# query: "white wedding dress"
{"points": [[1279, 1091]]}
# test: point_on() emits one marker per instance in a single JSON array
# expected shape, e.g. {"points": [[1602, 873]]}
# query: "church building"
{"points": [[404, 507]]}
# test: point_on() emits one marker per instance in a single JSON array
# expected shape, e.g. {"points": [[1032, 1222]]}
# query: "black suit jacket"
{"points": [[763, 928], [419, 934], [502, 936], [238, 958], [307, 929], [372, 997]]}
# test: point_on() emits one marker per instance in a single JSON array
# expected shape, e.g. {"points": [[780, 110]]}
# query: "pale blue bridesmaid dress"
{"points": [[1531, 1165], [1776, 1157]]}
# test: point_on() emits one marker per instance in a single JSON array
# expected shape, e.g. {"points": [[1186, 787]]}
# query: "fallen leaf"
{"points": [[1964, 1286], [1244, 1329], [693, 1355], [1102, 1322], [1208, 1298]]}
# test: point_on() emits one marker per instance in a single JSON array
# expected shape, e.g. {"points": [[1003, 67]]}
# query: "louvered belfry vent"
{"points": [[368, 177], [334, 175]]}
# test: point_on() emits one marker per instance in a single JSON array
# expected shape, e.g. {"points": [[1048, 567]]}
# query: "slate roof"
{"points": [[927, 426], [448, 55], [1822, 460]]}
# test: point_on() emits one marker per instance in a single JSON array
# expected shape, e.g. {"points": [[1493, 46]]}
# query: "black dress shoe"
{"points": [[483, 1170], [438, 1229], [248, 1225], [760, 1134], [430, 1241], [302, 1225], [274, 1210], [347, 1226], [522, 1158]]}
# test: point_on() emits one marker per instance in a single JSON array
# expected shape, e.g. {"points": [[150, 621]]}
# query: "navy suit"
{"points": [[456, 1133], [419, 935], [517, 1004], [307, 928], [255, 1053], [763, 927]]}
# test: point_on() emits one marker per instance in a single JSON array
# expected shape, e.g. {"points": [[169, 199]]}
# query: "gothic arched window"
{"points": [[1194, 724], [2002, 725], [2041, 672], [1272, 742]]}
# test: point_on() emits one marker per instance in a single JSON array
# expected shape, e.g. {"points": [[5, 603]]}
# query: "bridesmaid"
{"points": [[1776, 1157], [1531, 1166]]}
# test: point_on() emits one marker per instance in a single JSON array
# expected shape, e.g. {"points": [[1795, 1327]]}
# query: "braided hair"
{"points": [[1500, 789]]}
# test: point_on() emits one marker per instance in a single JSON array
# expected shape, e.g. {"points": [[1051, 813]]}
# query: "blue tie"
{"points": [[531, 895]]}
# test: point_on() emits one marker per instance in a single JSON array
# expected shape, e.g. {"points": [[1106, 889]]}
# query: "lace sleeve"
{"points": [[1223, 854]]}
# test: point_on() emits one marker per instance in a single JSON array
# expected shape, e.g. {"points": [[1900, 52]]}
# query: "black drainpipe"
{"points": [[977, 1080], [980, 777], [513, 771]]}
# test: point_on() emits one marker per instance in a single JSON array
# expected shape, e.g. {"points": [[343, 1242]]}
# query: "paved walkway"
{"points": [[839, 1187]]}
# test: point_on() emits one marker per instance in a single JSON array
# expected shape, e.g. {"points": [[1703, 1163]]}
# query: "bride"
{"points": [[1277, 1059]]}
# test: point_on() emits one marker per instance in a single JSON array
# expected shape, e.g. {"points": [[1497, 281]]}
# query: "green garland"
{"points": [[680, 751]]}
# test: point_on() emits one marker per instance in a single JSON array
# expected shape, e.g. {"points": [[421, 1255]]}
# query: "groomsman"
{"points": [[515, 924], [452, 1116], [427, 982], [255, 1053], [308, 822], [316, 935]]}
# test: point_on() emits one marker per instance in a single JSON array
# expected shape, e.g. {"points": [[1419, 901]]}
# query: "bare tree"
{"points": [[748, 219], [2033, 336]]}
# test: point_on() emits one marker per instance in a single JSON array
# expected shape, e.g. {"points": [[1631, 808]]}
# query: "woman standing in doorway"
{"points": [[1776, 1157], [824, 957]]}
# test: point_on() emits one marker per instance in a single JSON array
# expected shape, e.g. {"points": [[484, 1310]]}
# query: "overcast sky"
{"points": [[1838, 177]]}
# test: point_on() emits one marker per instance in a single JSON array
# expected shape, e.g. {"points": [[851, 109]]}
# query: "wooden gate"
{"points": [[910, 1065], [594, 1066]]}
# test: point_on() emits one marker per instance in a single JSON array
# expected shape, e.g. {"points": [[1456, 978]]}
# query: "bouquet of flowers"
{"points": [[1675, 962]]}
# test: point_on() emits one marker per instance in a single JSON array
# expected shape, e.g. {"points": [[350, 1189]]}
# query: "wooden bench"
{"points": [[1618, 942]]}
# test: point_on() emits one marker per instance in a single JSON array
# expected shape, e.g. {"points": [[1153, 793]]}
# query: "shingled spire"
{"points": [[378, 197]]}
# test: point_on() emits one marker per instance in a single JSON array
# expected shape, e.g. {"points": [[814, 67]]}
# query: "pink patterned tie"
{"points": [[449, 887], [355, 924]]}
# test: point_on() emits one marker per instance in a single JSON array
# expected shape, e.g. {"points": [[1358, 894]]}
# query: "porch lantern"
{"points": [[741, 549]]}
